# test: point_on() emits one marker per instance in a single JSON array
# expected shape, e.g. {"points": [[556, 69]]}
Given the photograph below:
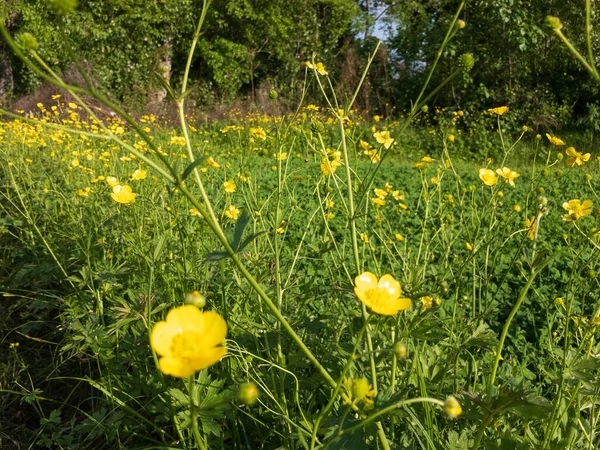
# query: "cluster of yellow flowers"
{"points": [[490, 178]]}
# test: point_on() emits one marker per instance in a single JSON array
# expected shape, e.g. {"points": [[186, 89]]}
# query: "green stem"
{"points": [[194, 414]]}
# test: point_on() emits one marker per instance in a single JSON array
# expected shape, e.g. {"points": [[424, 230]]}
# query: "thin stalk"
{"points": [[194, 414]]}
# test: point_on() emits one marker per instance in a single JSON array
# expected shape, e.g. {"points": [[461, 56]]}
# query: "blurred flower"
{"points": [[232, 212], [383, 137], [319, 67], [576, 158], [576, 209], [508, 175], [177, 140], [248, 393], [112, 181], [381, 296], [258, 133], [229, 186], [531, 226], [451, 138], [488, 176], [212, 163], [554, 140], [452, 408], [138, 174], [188, 340], [123, 194], [499, 111], [399, 237], [359, 390]]}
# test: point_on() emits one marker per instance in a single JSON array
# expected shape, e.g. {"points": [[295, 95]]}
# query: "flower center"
{"points": [[186, 345]]}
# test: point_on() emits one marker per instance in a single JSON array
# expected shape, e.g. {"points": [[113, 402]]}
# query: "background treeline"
{"points": [[251, 46]]}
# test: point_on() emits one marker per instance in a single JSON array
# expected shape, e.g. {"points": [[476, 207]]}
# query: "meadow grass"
{"points": [[85, 278]]}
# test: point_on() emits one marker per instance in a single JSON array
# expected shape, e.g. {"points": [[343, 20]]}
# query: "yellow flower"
{"points": [[508, 175], [488, 177], [365, 238], [195, 212], [229, 186], [321, 69], [359, 390], [530, 224], [281, 156], [177, 140], [378, 201], [280, 230], [311, 107], [383, 137], [554, 140], [380, 193], [212, 163], [452, 408], [451, 138], [398, 195], [84, 192], [112, 181], [576, 210], [138, 174], [427, 302], [232, 212], [499, 111], [469, 246], [399, 237], [72, 105], [122, 194], [381, 296], [258, 133], [576, 158], [188, 340]]}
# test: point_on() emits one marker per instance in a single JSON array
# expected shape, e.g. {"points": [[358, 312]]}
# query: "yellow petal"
{"points": [[161, 337], [186, 317], [214, 328], [392, 307], [175, 367], [587, 204], [390, 284], [208, 358], [364, 282]]}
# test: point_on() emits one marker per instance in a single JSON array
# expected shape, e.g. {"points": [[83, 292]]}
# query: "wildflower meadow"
{"points": [[319, 278]]}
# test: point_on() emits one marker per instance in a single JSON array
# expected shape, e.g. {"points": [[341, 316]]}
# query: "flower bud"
{"points": [[543, 201], [588, 176], [554, 23], [460, 24], [27, 42], [525, 128], [452, 408], [466, 62], [538, 137], [559, 156], [195, 298], [425, 108], [248, 393], [400, 350], [273, 94]]}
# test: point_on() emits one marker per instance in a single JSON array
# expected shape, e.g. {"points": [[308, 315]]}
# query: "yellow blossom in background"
{"points": [[531, 226], [365, 238], [177, 140], [576, 158], [72, 105], [380, 193], [359, 390], [281, 156], [329, 204], [452, 408], [311, 107], [138, 174], [499, 111], [435, 180], [212, 163], [242, 178], [451, 138], [508, 175], [229, 186], [319, 67], [469, 246], [426, 302], [280, 230], [488, 176], [576, 209], [388, 187], [517, 208], [554, 140], [123, 194], [195, 212], [378, 201], [232, 212], [258, 133], [84, 192], [399, 237], [189, 340], [112, 181], [383, 137], [382, 296], [425, 161], [398, 196]]}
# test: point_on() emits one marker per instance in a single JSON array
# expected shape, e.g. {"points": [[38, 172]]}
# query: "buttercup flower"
{"points": [[452, 408], [530, 224], [576, 209], [212, 163], [138, 174], [383, 137], [554, 140], [229, 186], [488, 176], [499, 111], [123, 194], [232, 212], [359, 390], [381, 296], [188, 340], [112, 181], [576, 158], [319, 67], [508, 175]]}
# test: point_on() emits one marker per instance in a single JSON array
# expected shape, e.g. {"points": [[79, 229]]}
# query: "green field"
{"points": [[504, 309]]}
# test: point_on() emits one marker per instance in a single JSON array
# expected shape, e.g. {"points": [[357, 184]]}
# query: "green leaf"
{"points": [[188, 170]]}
